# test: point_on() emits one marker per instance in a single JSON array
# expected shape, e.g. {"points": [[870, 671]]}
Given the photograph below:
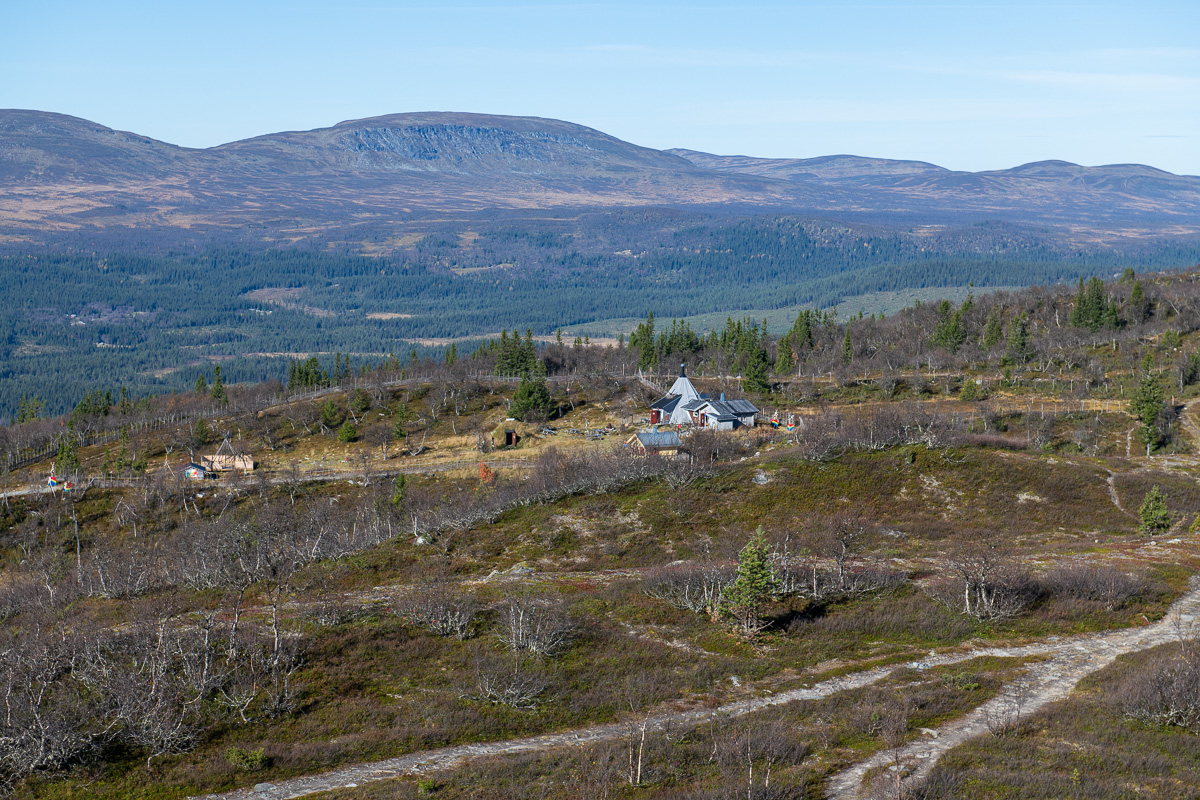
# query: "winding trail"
{"points": [[1070, 659], [1044, 682]]}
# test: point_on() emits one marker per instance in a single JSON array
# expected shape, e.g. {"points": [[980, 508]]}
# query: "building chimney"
{"points": [[682, 374], [722, 397]]}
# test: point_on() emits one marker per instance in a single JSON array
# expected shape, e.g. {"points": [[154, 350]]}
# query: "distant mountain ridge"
{"points": [[60, 173]]}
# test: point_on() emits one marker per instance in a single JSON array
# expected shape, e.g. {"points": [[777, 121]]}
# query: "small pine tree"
{"points": [[1155, 517], [201, 385], [399, 490], [847, 348], [347, 433], [754, 586]]}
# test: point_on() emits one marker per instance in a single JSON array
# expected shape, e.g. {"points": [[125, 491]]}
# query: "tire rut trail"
{"points": [[1071, 659], [1043, 683]]}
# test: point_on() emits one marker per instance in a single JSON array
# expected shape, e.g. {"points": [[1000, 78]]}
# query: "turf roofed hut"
{"points": [[656, 443]]}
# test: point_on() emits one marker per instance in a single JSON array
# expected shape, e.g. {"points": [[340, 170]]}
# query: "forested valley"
{"points": [[98, 315]]}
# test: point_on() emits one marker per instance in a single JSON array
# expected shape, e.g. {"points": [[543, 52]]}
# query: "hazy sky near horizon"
{"points": [[967, 85]]}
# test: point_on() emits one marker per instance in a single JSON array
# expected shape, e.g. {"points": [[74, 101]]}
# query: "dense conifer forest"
{"points": [[78, 318]]}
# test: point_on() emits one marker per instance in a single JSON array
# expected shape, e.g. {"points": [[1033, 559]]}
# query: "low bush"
{"points": [[247, 760]]}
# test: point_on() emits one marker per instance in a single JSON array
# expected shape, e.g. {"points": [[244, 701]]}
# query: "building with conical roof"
{"points": [[672, 408]]}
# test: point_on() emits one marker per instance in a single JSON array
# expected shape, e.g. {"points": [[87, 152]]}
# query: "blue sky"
{"points": [[962, 84]]}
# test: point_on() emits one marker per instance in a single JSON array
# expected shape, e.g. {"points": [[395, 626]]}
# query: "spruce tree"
{"points": [[217, 392], [753, 587], [1139, 305], [847, 348], [785, 361], [330, 414], [67, 460], [532, 399], [755, 378], [992, 331], [1155, 517], [1147, 405], [200, 433], [1017, 347]]}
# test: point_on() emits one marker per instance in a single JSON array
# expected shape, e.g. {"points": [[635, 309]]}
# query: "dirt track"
{"points": [[1044, 682], [1070, 659]]}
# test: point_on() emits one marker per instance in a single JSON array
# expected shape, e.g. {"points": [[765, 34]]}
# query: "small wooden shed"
{"points": [[662, 443]]}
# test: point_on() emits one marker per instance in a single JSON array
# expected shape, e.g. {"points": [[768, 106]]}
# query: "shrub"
{"points": [[985, 582], [440, 610], [1168, 695], [536, 626], [246, 760], [698, 588], [1105, 584], [513, 682]]}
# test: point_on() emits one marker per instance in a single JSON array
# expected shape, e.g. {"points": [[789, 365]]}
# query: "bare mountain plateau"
{"points": [[60, 173]]}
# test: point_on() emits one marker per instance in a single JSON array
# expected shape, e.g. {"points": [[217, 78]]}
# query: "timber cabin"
{"points": [[725, 415], [195, 472], [656, 443]]}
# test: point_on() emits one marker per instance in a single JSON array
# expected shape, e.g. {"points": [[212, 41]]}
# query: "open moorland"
{"points": [[954, 556]]}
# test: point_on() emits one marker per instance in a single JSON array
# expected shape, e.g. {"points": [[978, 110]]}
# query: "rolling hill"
{"points": [[60, 174]]}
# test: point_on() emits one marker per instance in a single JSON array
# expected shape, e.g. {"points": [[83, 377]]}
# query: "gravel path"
{"points": [[1044, 682], [1070, 659]]}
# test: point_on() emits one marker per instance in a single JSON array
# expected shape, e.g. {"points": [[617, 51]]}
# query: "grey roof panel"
{"points": [[660, 439]]}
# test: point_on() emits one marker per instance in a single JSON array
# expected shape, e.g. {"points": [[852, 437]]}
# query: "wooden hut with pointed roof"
{"points": [[226, 459]]}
